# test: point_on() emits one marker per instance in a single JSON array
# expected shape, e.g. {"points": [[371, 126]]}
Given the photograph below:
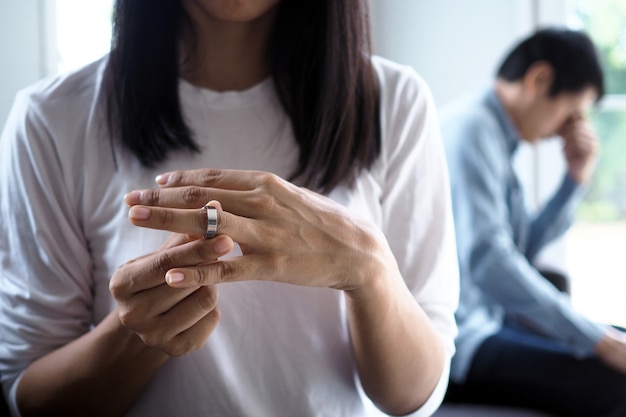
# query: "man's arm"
{"points": [[580, 149], [496, 263]]}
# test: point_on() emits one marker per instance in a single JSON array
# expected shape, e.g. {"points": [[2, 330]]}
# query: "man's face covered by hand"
{"points": [[550, 116]]}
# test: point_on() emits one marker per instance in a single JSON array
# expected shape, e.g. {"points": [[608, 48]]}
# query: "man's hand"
{"points": [[580, 147], [612, 350]]}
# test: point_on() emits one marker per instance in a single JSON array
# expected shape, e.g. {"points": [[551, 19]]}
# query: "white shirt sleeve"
{"points": [[417, 208], [45, 295]]}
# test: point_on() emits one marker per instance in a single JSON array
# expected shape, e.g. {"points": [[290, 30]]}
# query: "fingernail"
{"points": [[174, 277], [132, 198], [221, 246], [162, 179], [139, 213]]}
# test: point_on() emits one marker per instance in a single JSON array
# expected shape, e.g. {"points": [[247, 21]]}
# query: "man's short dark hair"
{"points": [[570, 53]]}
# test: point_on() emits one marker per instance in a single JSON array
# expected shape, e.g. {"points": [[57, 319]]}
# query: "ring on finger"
{"points": [[211, 227]]}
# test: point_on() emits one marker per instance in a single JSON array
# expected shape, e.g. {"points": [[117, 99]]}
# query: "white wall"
{"points": [[25, 33], [455, 45]]}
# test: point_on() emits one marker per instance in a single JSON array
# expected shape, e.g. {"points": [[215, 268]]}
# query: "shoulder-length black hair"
{"points": [[321, 67]]}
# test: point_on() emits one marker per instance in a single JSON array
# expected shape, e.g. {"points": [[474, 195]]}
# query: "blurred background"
{"points": [[456, 45]]}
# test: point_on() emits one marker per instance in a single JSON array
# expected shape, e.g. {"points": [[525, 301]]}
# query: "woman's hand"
{"points": [[292, 235], [286, 233], [174, 320]]}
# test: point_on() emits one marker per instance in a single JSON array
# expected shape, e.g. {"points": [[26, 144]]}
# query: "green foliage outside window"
{"points": [[605, 21]]}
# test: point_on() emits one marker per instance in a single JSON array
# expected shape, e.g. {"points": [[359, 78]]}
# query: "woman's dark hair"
{"points": [[321, 68], [571, 54]]}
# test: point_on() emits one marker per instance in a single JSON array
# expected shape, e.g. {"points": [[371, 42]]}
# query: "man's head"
{"points": [[549, 80]]}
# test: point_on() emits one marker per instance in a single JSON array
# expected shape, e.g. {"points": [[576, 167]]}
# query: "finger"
{"points": [[189, 311], [249, 267], [139, 312], [582, 137], [149, 271], [581, 142], [216, 204], [191, 197], [179, 197], [176, 239], [183, 316], [186, 221], [210, 177], [192, 222], [196, 336]]}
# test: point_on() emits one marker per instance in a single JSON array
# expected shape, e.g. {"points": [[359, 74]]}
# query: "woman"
{"points": [[197, 326]]}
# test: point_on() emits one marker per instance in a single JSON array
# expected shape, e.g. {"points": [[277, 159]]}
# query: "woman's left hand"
{"points": [[286, 233]]}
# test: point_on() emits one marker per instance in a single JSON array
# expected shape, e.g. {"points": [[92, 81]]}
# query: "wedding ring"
{"points": [[211, 227]]}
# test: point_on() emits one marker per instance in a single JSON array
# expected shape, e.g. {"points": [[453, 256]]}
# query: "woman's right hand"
{"points": [[173, 320]]}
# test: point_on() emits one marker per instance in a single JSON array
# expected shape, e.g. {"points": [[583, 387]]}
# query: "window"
{"points": [[596, 243], [83, 32]]}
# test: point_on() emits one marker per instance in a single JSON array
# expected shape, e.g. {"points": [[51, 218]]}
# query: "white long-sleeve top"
{"points": [[279, 350]]}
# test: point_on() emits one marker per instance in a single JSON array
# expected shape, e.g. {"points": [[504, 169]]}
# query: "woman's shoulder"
{"points": [[64, 95], [59, 114], [398, 80], [405, 99]]}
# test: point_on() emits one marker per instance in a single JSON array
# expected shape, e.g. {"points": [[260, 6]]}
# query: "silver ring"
{"points": [[211, 227]]}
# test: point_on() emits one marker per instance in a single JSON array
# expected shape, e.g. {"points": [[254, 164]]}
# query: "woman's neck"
{"points": [[224, 56]]}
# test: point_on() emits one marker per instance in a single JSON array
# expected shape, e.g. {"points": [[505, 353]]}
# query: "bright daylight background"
{"points": [[596, 246], [83, 31]]}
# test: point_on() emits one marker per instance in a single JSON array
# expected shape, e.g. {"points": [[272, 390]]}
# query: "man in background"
{"points": [[520, 342]]}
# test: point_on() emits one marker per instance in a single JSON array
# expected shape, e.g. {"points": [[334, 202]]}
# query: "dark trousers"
{"points": [[520, 369], [4, 410]]}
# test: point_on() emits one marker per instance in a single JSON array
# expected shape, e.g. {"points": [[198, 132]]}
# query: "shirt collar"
{"points": [[510, 133]]}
